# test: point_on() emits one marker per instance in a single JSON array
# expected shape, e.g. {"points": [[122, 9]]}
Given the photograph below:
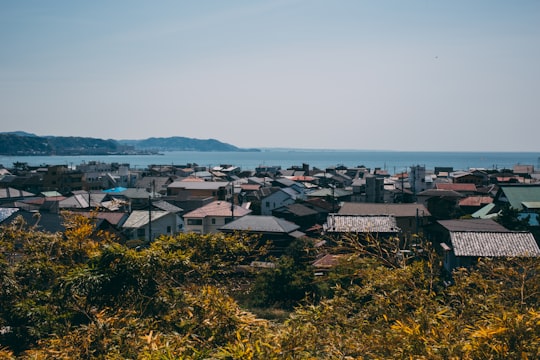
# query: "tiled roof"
{"points": [[472, 225], [217, 208], [494, 244], [398, 210], [361, 224], [259, 223]]}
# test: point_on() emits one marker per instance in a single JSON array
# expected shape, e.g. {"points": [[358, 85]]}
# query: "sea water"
{"points": [[392, 161]]}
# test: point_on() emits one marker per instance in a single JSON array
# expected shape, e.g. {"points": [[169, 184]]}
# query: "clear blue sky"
{"points": [[344, 74]]}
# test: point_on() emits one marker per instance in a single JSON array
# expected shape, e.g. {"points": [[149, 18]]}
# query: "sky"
{"points": [[416, 75]]}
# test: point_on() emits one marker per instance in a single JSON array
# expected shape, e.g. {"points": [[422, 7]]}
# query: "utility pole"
{"points": [[232, 202], [149, 219]]}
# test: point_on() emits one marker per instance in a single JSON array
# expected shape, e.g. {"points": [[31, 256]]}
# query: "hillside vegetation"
{"points": [[22, 144], [81, 295]]}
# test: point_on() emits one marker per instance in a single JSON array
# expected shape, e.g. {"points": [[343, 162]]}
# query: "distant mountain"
{"points": [[22, 143], [14, 144], [178, 143]]}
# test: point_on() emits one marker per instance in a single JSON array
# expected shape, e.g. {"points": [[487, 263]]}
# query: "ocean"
{"points": [[392, 161]]}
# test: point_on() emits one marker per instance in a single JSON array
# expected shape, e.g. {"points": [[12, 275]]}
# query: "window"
{"points": [[268, 204], [213, 221], [168, 229], [141, 232], [194, 221]]}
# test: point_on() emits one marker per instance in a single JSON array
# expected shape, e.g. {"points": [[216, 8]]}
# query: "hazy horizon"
{"points": [[343, 75]]}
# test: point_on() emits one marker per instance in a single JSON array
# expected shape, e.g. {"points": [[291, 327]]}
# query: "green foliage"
{"points": [[80, 295], [508, 218]]}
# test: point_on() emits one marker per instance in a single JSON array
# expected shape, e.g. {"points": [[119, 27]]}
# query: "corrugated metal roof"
{"points": [[456, 187], [494, 244], [476, 201], [361, 224]]}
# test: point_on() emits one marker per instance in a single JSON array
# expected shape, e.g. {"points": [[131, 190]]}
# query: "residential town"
{"points": [[458, 211]]}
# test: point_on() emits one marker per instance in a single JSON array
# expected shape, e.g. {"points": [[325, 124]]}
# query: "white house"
{"points": [[137, 225]]}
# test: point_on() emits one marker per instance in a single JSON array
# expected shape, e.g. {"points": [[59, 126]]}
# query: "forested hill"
{"points": [[180, 143], [29, 144]]}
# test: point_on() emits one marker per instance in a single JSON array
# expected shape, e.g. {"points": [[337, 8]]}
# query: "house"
{"points": [[466, 189], [278, 198], [442, 204], [333, 195], [279, 233], [515, 195], [41, 221], [10, 195], [218, 190], [471, 204], [155, 184], [81, 199], [523, 170], [138, 226], [211, 217], [62, 179], [300, 213], [360, 224], [476, 177], [462, 242], [137, 198], [410, 218]]}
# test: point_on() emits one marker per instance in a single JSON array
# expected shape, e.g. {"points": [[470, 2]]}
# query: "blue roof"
{"points": [[118, 189]]}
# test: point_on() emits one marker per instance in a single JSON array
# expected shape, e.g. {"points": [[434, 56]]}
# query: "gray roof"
{"points": [[325, 192], [139, 218], [361, 224], [258, 223], [9, 193], [398, 210], [167, 206], [199, 185], [6, 213], [494, 244]]}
